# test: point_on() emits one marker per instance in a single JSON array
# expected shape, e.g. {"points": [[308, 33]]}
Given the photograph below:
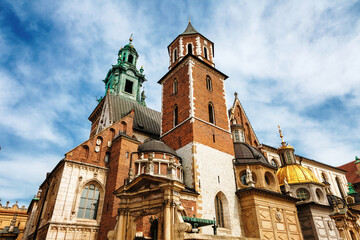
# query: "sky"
{"points": [[292, 63]]}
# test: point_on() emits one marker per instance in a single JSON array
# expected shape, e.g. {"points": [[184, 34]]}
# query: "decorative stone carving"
{"points": [[249, 178], [278, 215]]}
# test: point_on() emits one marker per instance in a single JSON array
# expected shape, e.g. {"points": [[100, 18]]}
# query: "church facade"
{"points": [[195, 170]]}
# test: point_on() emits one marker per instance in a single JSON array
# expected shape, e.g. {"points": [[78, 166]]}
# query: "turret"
{"points": [[124, 78], [286, 152]]}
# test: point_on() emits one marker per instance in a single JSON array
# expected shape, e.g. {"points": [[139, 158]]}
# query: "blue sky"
{"points": [[292, 63]]}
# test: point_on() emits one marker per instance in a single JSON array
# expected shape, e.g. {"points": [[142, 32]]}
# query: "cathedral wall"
{"points": [[215, 174], [187, 157], [330, 175], [75, 177]]}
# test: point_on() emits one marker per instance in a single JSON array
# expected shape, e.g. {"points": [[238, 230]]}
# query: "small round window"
{"points": [[243, 177], [302, 194], [269, 178]]}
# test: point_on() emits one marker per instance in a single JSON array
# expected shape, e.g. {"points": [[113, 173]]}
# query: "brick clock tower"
{"points": [[195, 123]]}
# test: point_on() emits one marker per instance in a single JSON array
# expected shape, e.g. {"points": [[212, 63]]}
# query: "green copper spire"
{"points": [[124, 79]]}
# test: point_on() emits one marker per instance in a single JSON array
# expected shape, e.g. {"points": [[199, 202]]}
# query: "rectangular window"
{"points": [[237, 138], [129, 86]]}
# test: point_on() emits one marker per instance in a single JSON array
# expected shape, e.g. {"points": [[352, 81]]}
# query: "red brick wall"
{"points": [[117, 173], [189, 206], [181, 99], [197, 131], [191, 39]]}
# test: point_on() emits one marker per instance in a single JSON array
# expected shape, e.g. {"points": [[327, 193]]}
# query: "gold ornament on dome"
{"points": [[283, 145]]}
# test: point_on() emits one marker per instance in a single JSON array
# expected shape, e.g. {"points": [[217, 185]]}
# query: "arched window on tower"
{"points": [[189, 47], [205, 53], [175, 86], [211, 113], [130, 59], [208, 83], [176, 117], [89, 202], [175, 55]]}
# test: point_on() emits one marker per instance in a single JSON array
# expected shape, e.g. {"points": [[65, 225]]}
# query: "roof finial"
{"points": [[281, 136], [235, 94], [131, 38], [189, 20]]}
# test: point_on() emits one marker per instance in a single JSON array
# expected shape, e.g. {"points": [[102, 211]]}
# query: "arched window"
{"points": [[219, 212], [112, 133], [89, 202], [205, 53], [323, 177], [208, 83], [189, 47], [130, 59], [222, 210], [237, 137], [123, 127], [211, 113], [338, 182], [85, 151], [273, 162], [176, 117], [175, 86], [175, 55]]}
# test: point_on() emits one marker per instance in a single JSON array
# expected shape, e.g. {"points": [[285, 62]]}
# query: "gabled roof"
{"points": [[145, 119], [351, 169]]}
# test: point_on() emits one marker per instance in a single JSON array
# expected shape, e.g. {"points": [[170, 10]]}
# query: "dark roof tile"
{"points": [[145, 119]]}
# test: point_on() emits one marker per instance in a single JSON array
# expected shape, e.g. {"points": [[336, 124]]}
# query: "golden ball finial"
{"points": [[281, 136], [131, 38], [189, 20]]}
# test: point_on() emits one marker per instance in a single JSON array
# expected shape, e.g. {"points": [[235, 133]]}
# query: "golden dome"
{"points": [[295, 173]]}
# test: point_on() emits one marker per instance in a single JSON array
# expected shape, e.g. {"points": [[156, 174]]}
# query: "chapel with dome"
{"points": [[194, 170]]}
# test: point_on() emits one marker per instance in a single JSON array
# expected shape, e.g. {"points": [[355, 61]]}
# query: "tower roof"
{"points": [[189, 30]]}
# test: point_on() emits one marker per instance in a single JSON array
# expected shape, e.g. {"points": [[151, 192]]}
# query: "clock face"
{"points": [[97, 149]]}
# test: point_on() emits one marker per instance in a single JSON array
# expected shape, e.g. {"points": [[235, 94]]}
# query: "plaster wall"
{"points": [[214, 173]]}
